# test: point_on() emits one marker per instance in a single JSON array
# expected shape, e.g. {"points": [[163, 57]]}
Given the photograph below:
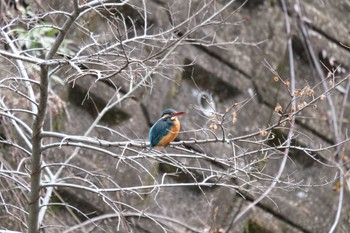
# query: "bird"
{"points": [[166, 129]]}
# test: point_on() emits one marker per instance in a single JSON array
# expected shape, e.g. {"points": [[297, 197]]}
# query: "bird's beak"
{"points": [[179, 113]]}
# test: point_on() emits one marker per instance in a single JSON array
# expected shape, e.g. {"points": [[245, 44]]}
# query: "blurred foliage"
{"points": [[40, 38]]}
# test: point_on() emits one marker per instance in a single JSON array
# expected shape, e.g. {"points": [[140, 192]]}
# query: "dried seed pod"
{"points": [[263, 133], [278, 108]]}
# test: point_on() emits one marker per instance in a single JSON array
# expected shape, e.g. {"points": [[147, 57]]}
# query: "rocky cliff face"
{"points": [[251, 52]]}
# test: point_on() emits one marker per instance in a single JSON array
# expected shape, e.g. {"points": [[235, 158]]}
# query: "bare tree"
{"points": [[128, 53]]}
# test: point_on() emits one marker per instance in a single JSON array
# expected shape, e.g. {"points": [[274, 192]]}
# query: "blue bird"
{"points": [[165, 130]]}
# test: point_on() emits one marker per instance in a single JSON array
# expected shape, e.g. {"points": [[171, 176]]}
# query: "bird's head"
{"points": [[171, 114]]}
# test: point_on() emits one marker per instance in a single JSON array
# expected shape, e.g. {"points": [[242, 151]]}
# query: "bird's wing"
{"points": [[159, 130]]}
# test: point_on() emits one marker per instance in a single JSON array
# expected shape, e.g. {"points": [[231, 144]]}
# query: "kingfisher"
{"points": [[166, 129]]}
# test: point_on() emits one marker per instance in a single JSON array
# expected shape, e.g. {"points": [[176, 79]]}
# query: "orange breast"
{"points": [[171, 135]]}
